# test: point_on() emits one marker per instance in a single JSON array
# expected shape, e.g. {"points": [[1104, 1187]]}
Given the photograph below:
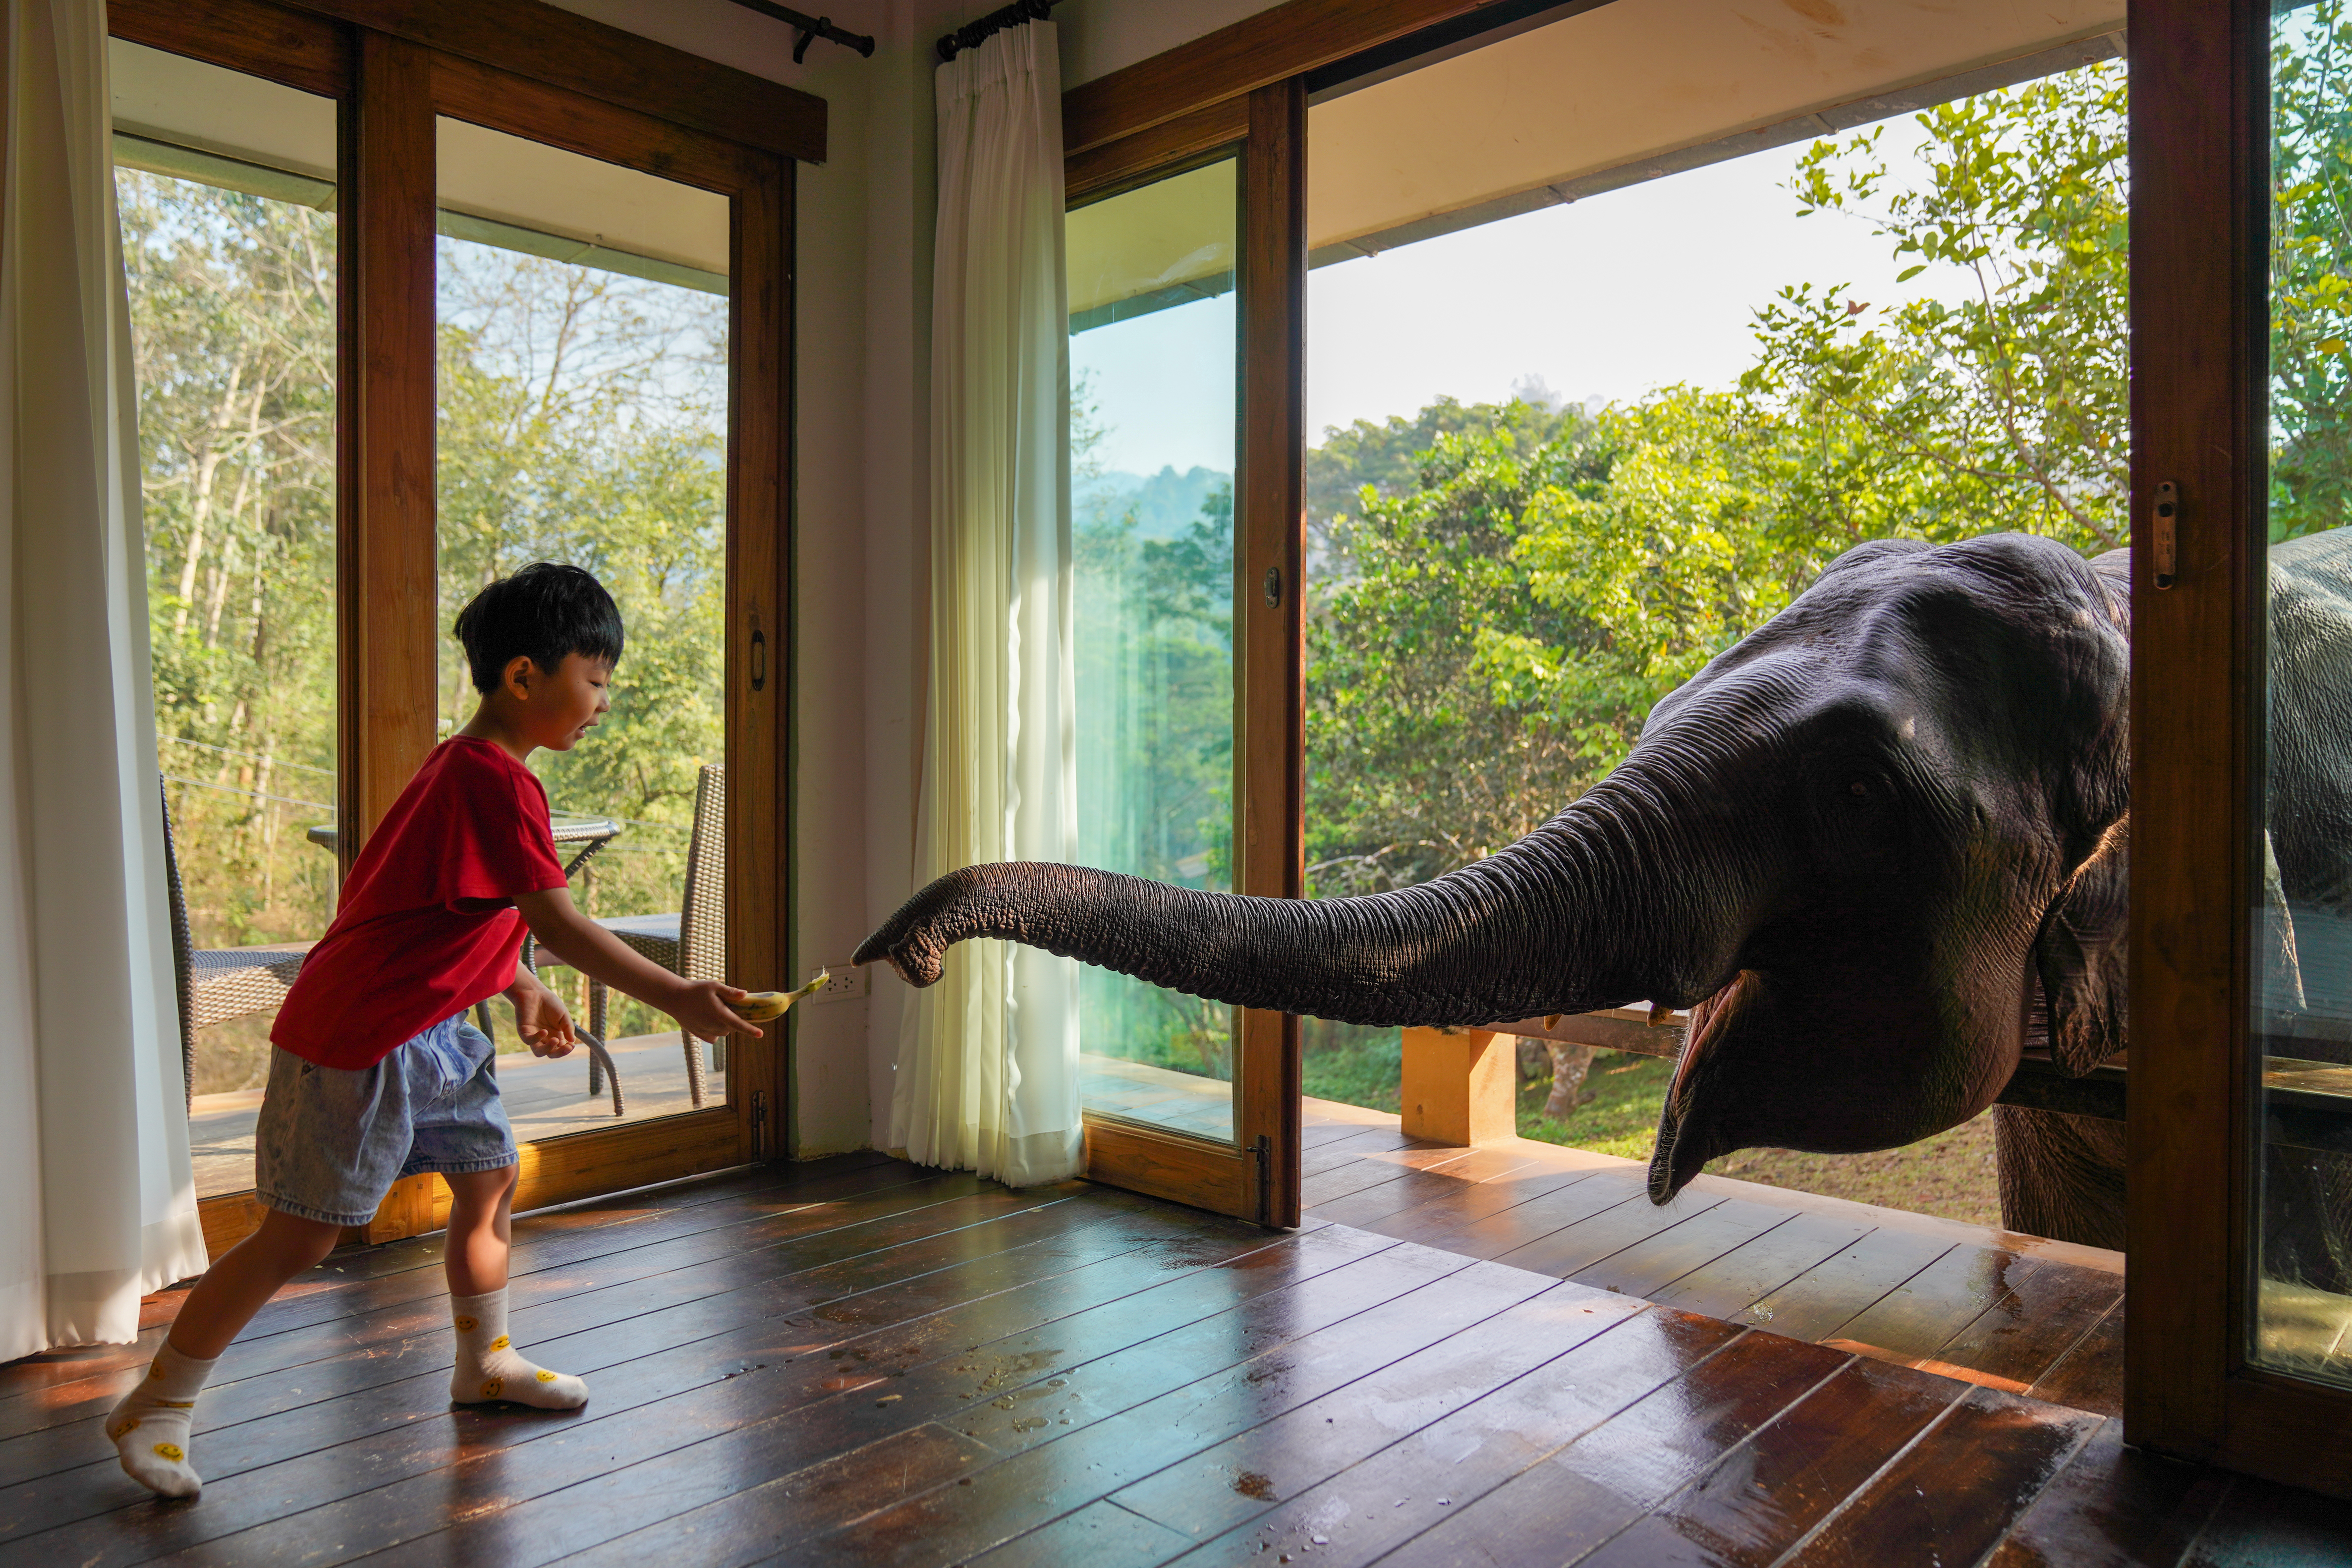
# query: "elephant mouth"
{"points": [[1686, 1142]]}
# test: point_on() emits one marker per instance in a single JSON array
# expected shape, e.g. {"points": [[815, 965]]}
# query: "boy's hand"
{"points": [[701, 1008], [541, 1021]]}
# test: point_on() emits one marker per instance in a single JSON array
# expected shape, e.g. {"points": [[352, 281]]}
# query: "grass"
{"points": [[1949, 1175]]}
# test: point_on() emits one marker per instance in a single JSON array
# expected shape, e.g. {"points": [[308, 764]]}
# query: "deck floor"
{"points": [[856, 1360], [544, 1098], [2018, 1314]]}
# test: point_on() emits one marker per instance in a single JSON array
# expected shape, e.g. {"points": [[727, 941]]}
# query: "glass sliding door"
{"points": [[225, 185], [1153, 340], [2301, 1320], [582, 417]]}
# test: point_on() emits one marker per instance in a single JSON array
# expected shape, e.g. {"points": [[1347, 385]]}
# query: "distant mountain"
{"points": [[1165, 504]]}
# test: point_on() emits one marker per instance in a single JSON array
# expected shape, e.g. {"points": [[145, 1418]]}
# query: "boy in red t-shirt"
{"points": [[376, 1074]]}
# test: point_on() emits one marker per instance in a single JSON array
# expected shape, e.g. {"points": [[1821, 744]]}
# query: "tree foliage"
{"points": [[1490, 639]]}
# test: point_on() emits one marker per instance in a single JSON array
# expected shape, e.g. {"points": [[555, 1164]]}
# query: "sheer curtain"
{"points": [[100, 1207], [988, 1059]]}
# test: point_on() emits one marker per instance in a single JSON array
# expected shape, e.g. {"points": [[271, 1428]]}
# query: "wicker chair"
{"points": [[693, 941], [218, 984]]}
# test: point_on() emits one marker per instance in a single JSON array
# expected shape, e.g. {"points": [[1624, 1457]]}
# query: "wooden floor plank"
{"points": [[2090, 1375], [1051, 1472], [1658, 1260], [1921, 1315], [1824, 1299], [1727, 1286], [2047, 1310], [2114, 1505], [874, 1363], [1425, 1184], [322, 1316], [1748, 1511], [615, 1285], [735, 1438], [1229, 1484], [1410, 1486], [1961, 1485], [35, 1374], [1342, 1151], [1606, 1234], [1582, 1494], [1508, 1221], [1438, 1214], [823, 1302], [1099, 1535], [700, 1380]]}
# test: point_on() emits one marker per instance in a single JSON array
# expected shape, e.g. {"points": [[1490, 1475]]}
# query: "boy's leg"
{"points": [[150, 1427], [489, 1366]]}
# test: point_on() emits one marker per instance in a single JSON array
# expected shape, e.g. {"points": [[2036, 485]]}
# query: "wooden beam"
{"points": [[387, 584], [619, 67], [249, 36], [1269, 675], [1459, 1085], [760, 667], [1155, 153], [1272, 45], [2198, 383]]}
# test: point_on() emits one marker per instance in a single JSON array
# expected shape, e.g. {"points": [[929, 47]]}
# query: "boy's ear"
{"points": [[520, 674]]}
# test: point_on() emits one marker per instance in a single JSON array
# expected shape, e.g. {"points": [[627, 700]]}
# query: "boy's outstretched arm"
{"points": [[571, 938]]}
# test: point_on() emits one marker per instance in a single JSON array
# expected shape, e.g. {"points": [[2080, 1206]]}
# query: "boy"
{"points": [[375, 1073]]}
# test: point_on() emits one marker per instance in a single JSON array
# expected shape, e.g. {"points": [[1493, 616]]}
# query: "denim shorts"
{"points": [[331, 1141]]}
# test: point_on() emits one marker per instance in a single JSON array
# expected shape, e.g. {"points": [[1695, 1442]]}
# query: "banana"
{"points": [[761, 1006]]}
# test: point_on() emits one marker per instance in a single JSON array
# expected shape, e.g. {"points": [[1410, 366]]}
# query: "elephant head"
{"points": [[1849, 845]]}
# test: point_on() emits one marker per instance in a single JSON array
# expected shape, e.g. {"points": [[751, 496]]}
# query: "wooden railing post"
{"points": [[1460, 1087]]}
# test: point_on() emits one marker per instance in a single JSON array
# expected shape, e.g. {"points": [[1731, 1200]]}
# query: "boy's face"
{"points": [[556, 708]]}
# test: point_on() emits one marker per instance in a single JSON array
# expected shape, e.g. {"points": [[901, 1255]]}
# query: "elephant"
{"points": [[1877, 847]]}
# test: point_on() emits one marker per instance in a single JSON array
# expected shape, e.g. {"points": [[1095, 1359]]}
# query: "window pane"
{"points": [[1152, 362], [226, 186], [582, 408], [2303, 925]]}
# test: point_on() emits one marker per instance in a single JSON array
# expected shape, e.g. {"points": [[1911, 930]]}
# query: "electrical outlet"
{"points": [[846, 984]]}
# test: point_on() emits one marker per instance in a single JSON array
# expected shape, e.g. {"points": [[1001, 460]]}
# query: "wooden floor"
{"points": [[857, 1361], [2017, 1313]]}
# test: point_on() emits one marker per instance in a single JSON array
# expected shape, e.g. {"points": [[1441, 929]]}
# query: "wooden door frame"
{"points": [[2199, 350], [1257, 1176], [391, 86]]}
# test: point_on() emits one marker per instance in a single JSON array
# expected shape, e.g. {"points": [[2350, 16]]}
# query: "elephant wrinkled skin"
{"points": [[1873, 847]]}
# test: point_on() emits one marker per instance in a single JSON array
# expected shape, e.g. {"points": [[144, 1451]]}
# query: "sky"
{"points": [[1608, 297]]}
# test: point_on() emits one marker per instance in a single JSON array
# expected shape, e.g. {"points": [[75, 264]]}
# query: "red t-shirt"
{"points": [[427, 926]]}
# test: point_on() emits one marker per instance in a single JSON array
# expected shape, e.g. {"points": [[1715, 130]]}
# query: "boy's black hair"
{"points": [[545, 611]]}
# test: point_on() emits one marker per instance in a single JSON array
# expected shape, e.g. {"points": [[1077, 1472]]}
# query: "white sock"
{"points": [[490, 1368], [150, 1427]]}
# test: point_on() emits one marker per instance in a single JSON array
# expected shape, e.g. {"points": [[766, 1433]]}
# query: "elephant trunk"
{"points": [[1601, 906]]}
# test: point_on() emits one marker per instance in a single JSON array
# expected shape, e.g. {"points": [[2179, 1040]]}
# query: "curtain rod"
{"points": [[972, 35], [810, 27]]}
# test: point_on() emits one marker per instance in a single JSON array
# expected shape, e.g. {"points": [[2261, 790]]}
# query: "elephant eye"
{"points": [[1859, 789]]}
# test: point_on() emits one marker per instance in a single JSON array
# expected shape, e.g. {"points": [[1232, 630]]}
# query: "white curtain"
{"points": [[100, 1207], [988, 1059]]}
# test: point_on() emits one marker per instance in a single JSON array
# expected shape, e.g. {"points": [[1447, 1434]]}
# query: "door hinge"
{"points": [[1263, 1150], [758, 1124]]}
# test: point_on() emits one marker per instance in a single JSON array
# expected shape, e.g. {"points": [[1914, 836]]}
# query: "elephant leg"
{"points": [[2061, 1176], [1570, 1063]]}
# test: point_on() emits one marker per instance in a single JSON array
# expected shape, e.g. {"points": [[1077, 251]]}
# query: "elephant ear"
{"points": [[2080, 956]]}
